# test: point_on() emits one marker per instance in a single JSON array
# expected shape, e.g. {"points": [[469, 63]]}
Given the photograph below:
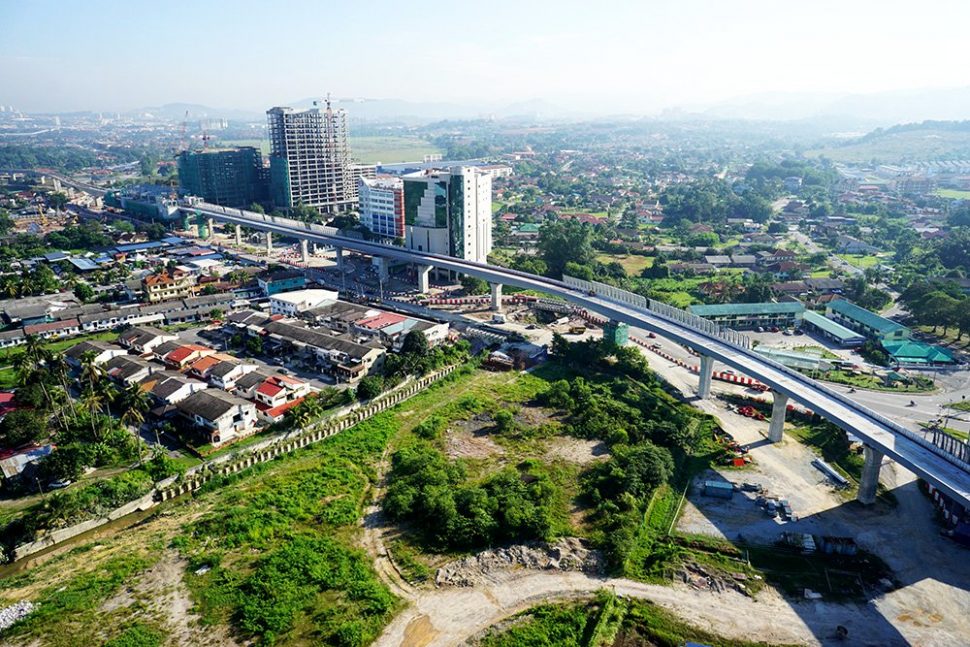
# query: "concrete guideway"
{"points": [[883, 436]]}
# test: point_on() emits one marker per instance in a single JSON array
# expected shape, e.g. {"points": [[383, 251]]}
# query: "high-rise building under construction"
{"points": [[310, 159]]}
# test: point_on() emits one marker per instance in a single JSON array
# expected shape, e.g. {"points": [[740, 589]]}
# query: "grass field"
{"points": [[862, 261], [368, 150], [632, 263], [953, 194]]}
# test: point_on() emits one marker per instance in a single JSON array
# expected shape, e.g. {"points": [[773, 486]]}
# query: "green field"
{"points": [[953, 194], [863, 262], [367, 150]]}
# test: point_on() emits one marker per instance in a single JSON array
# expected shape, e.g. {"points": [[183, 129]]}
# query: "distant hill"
{"points": [[854, 110], [916, 142]]}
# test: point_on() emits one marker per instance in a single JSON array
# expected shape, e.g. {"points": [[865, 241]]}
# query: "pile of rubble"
{"points": [[566, 554], [13, 613], [698, 577]]}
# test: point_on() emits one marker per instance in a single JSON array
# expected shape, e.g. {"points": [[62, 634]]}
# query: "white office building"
{"points": [[449, 212], [381, 204]]}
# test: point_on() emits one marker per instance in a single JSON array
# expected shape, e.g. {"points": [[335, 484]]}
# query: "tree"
{"points": [[22, 426], [473, 285], [562, 241], [504, 421], [83, 291], [57, 201], [370, 387], [415, 343], [136, 402]]}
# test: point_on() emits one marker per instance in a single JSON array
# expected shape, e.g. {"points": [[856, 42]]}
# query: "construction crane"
{"points": [[205, 139]]}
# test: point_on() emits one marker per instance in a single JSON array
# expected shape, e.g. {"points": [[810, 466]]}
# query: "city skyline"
{"points": [[621, 58]]}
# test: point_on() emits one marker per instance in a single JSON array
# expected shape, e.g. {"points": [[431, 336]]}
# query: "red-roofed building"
{"points": [[273, 415], [381, 320], [280, 389], [186, 354]]}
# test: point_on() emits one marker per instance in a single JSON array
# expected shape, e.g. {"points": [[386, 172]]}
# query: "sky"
{"points": [[603, 56]]}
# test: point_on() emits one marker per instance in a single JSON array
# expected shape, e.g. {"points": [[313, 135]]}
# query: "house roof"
{"points": [[210, 404], [185, 351], [916, 352], [269, 388], [833, 328], [381, 320], [97, 347], [318, 339], [865, 317], [251, 379], [224, 368], [35, 329], [141, 335], [123, 367]]}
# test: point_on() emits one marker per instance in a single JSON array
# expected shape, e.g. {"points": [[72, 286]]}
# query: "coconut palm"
{"points": [[136, 402]]}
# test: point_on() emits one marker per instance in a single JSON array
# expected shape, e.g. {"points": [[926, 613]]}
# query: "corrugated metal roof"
{"points": [[833, 328]]}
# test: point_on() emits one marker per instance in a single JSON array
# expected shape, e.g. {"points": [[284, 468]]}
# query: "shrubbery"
{"points": [[453, 513]]}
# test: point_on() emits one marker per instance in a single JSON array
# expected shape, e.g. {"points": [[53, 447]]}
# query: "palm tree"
{"points": [[58, 368], [91, 372], [136, 402]]}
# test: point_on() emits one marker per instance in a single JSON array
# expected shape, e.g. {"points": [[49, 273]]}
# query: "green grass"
{"points": [[8, 376], [915, 145], [602, 621], [369, 150], [961, 405], [873, 383], [953, 194], [862, 261]]}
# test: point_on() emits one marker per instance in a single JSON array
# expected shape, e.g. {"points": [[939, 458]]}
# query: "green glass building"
{"points": [[230, 178]]}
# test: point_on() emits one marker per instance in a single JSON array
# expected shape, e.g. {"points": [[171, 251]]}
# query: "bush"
{"points": [[370, 387]]}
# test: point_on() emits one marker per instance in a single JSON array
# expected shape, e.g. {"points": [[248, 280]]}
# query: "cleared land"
{"points": [[632, 264]]}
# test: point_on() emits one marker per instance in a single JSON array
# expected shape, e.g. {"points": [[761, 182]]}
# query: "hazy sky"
{"points": [[636, 56]]}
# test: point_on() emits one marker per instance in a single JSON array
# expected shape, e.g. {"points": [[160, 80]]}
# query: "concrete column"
{"points": [[339, 255], [497, 297], [870, 476], [778, 409], [239, 234], [304, 251], [382, 267], [269, 242], [424, 272], [211, 231], [706, 374]]}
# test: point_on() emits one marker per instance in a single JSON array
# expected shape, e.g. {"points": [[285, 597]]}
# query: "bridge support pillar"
{"points": [[338, 253], [870, 476], [211, 232], [706, 374], [383, 271], [497, 297], [424, 273], [269, 242], [304, 250], [239, 234], [779, 407]]}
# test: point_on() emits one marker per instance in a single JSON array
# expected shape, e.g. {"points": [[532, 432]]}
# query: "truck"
{"points": [[577, 330]]}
